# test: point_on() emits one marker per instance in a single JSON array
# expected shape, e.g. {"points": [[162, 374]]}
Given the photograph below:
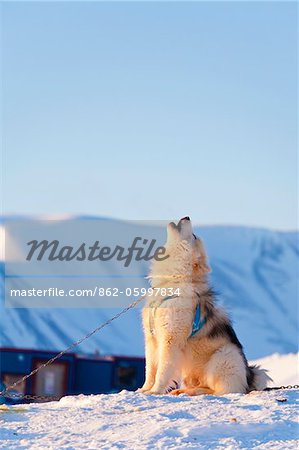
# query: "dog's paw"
{"points": [[178, 392], [141, 390], [154, 392]]}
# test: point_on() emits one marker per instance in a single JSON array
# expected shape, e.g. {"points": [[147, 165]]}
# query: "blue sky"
{"points": [[151, 111]]}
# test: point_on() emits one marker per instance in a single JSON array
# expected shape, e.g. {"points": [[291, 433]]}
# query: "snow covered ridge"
{"points": [[283, 369], [254, 271], [260, 420]]}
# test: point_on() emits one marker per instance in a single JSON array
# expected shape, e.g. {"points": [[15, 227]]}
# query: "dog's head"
{"points": [[186, 254]]}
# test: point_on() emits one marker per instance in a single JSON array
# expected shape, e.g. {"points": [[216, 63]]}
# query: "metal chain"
{"points": [[5, 393], [20, 396], [289, 386]]}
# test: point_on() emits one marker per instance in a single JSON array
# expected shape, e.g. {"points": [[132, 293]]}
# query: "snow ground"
{"points": [[129, 420], [136, 421]]}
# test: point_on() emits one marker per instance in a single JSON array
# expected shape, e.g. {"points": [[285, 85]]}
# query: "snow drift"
{"points": [[262, 420]]}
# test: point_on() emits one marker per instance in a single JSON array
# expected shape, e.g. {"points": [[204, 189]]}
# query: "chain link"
{"points": [[20, 396], [5, 393], [278, 388]]}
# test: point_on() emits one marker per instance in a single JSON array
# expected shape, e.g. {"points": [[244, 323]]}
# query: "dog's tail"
{"points": [[259, 378]]}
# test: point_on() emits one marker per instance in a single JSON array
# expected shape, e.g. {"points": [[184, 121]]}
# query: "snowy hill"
{"points": [[254, 271]]}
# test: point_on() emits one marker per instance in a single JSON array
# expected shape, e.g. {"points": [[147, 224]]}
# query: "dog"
{"points": [[189, 339]]}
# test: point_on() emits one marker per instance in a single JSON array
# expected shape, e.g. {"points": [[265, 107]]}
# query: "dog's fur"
{"points": [[210, 362]]}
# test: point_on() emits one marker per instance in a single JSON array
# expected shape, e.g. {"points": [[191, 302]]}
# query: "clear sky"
{"points": [[151, 110]]}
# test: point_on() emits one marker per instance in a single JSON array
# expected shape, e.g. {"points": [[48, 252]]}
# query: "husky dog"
{"points": [[188, 338]]}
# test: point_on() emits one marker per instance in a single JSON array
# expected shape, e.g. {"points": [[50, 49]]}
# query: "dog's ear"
{"points": [[201, 260]]}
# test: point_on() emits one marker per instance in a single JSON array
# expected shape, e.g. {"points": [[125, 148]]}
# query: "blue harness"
{"points": [[198, 321]]}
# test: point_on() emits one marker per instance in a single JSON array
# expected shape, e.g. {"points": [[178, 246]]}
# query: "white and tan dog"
{"points": [[189, 339]]}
